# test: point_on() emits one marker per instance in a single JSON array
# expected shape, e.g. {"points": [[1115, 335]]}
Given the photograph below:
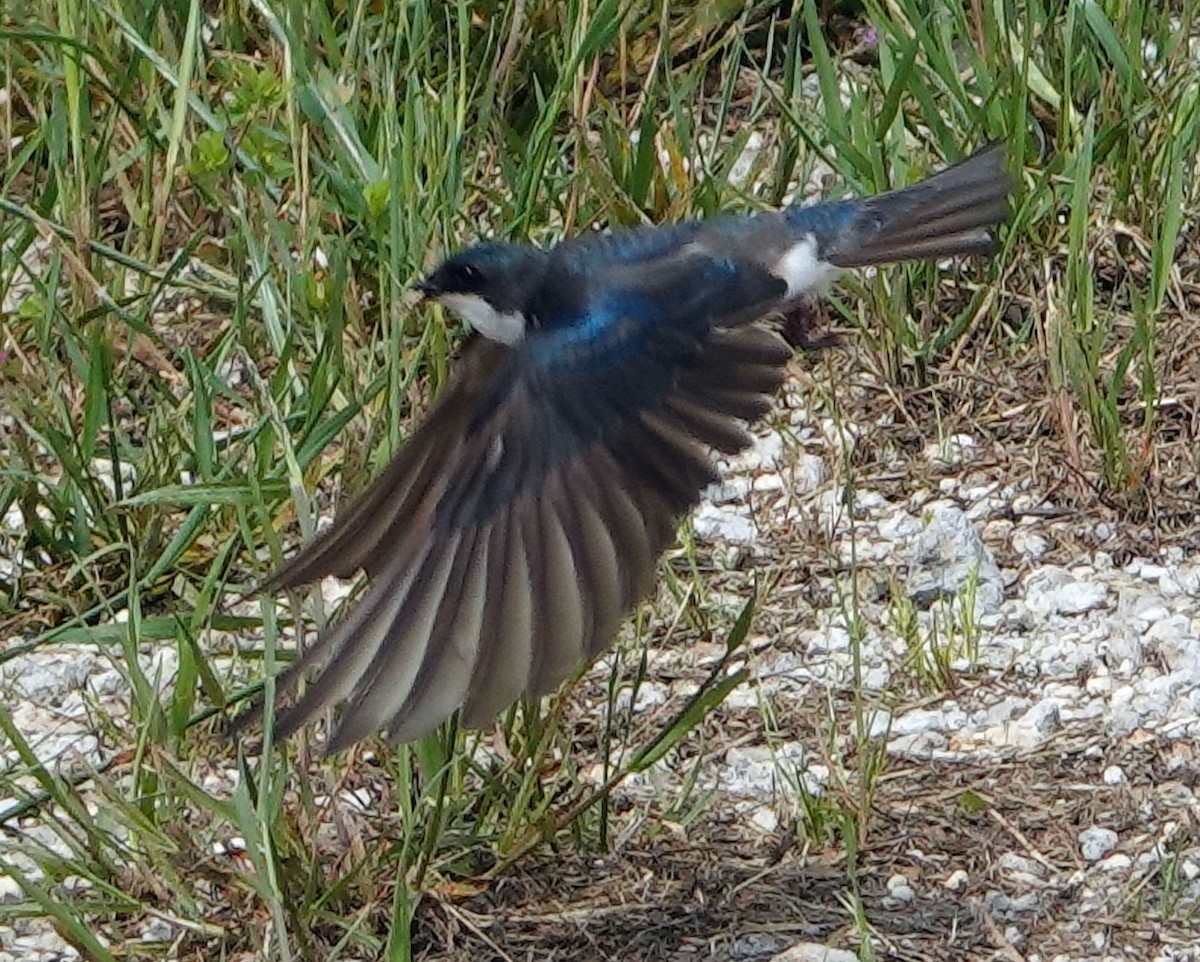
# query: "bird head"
{"points": [[489, 286]]}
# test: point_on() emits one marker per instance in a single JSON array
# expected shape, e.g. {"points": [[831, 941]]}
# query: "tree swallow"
{"points": [[524, 518]]}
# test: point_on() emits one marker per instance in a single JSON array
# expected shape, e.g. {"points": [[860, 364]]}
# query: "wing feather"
{"points": [[616, 552], [504, 665], [707, 425], [346, 652], [559, 642], [402, 645], [446, 673]]}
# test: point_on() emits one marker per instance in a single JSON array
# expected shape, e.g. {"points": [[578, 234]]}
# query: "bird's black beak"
{"points": [[427, 288]]}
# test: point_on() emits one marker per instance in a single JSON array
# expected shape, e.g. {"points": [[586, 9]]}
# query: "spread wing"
{"points": [[525, 516]]}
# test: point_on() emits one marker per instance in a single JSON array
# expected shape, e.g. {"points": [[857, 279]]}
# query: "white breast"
{"points": [[505, 328], [802, 270]]}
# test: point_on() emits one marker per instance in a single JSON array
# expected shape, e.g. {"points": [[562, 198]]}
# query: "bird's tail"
{"points": [[950, 214]]}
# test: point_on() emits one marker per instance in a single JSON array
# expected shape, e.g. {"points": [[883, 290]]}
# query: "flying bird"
{"points": [[524, 518]]}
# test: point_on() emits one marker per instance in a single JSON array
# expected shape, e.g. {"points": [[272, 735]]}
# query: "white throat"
{"points": [[506, 328]]}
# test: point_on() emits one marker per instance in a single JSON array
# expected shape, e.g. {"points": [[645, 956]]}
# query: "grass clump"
{"points": [[210, 216]]}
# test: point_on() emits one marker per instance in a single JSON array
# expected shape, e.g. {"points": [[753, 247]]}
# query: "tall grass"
{"points": [[210, 216]]}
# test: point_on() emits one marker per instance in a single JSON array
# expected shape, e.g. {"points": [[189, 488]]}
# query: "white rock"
{"points": [[765, 452], [767, 482], [1115, 775], [743, 168], [650, 694], [1179, 647], [921, 720], [1005, 906], [833, 638], [957, 880], [807, 474], [54, 738], [814, 952], [951, 451], [880, 724], [1188, 576], [1045, 717], [764, 818], [876, 678], [1021, 737], [102, 471], [1029, 544], [900, 888], [1155, 693], [1007, 709], [1173, 628], [1141, 606], [1012, 862], [946, 556], [816, 776], [47, 945], [755, 945], [996, 531], [158, 930], [1152, 572], [1081, 597], [1115, 863], [1053, 590], [721, 523], [1013, 935], [160, 668], [107, 683], [336, 590], [867, 500], [1122, 721], [981, 495], [357, 799], [727, 491], [1017, 617], [898, 526], [1096, 842], [46, 676], [919, 745], [760, 770]]}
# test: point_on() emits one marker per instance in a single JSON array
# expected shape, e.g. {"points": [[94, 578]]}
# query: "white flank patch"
{"points": [[505, 328], [802, 271]]}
